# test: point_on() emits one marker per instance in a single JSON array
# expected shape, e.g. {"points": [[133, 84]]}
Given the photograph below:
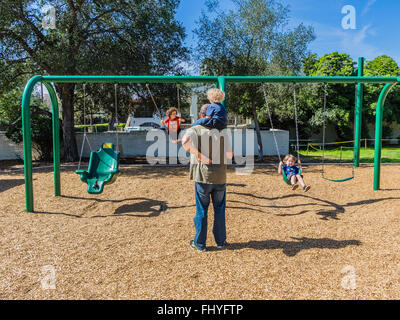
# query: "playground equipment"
{"points": [[159, 114], [285, 179], [178, 100], [221, 81], [102, 170], [104, 163], [323, 141]]}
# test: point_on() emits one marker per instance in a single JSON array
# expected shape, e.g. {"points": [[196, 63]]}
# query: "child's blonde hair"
{"points": [[171, 110], [289, 156], [216, 95]]}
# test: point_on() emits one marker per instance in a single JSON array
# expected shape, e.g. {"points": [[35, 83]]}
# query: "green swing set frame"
{"points": [[221, 82]]}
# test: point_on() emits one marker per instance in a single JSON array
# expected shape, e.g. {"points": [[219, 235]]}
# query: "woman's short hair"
{"points": [[215, 95]]}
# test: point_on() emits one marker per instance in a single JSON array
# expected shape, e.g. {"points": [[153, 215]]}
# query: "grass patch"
{"points": [[346, 154]]}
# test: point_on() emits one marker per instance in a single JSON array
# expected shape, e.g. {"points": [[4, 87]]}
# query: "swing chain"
{"points": [[154, 101], [297, 127], [324, 129], [84, 126], [178, 86], [116, 112], [271, 122]]}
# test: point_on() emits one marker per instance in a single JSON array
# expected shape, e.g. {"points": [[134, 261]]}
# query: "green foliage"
{"points": [[340, 97], [92, 37], [381, 66], [41, 124], [252, 39], [333, 64]]}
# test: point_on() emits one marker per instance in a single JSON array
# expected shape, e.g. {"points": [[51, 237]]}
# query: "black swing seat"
{"points": [[102, 170]]}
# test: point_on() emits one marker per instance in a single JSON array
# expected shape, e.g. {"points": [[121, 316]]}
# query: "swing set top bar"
{"points": [[213, 79]]}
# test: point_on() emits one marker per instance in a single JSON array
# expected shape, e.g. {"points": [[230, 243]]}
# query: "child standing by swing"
{"points": [[173, 123], [292, 172]]}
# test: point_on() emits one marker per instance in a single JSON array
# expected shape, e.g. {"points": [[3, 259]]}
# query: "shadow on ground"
{"points": [[141, 207], [292, 248], [330, 210], [10, 183]]}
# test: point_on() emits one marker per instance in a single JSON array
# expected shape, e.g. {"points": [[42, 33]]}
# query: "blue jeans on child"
{"points": [[203, 192]]}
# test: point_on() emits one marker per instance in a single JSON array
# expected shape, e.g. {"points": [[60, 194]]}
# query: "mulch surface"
{"points": [[337, 241]]}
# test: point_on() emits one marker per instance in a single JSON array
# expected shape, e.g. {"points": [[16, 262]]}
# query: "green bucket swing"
{"points": [[103, 166]]}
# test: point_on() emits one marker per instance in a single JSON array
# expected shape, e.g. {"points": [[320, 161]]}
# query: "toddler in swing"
{"points": [[292, 172]]}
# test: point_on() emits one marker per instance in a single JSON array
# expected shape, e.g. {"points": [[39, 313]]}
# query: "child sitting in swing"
{"points": [[292, 172], [216, 116], [173, 123]]}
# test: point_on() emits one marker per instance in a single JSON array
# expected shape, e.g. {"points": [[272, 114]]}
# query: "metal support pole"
{"points": [[359, 107], [378, 134], [56, 138], [27, 141]]}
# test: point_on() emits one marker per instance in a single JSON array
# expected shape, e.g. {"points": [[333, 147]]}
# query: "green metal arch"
{"points": [[27, 140], [378, 133]]}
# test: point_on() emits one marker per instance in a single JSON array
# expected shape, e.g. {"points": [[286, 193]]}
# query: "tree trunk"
{"points": [[66, 94], [111, 124], [258, 133]]}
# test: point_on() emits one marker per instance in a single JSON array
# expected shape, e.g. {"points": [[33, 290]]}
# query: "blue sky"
{"points": [[377, 30]]}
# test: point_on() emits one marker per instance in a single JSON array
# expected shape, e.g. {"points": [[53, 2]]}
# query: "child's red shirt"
{"points": [[173, 125]]}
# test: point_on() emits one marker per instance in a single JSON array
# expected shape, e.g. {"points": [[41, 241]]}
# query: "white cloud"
{"points": [[354, 42], [368, 6], [360, 36]]}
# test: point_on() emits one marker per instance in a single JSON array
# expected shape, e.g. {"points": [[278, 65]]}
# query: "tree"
{"points": [[383, 66], [340, 98], [11, 120], [252, 39], [91, 37]]}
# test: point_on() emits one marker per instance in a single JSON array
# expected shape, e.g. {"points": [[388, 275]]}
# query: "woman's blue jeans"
{"points": [[217, 193]]}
